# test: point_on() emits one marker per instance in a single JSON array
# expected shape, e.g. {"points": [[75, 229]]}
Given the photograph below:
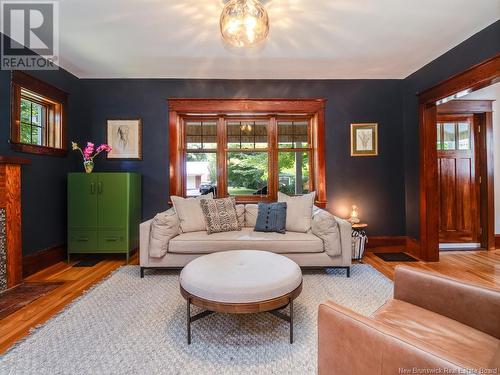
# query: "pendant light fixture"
{"points": [[244, 23]]}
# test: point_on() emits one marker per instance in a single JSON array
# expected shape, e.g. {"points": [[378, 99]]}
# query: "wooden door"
{"points": [[458, 185]]}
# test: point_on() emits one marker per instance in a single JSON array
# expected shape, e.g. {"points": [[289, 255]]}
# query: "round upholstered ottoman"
{"points": [[240, 282]]}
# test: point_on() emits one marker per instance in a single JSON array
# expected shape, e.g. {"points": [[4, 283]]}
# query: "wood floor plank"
{"points": [[480, 267]]}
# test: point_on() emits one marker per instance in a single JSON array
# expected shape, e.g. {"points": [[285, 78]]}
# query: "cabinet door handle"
{"points": [[92, 187], [112, 239], [99, 187], [82, 239]]}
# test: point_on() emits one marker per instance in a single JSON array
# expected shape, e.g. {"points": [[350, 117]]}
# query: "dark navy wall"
{"points": [[375, 184], [474, 50], [44, 180], [384, 187]]}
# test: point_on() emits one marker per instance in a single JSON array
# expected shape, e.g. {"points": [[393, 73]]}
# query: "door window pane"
{"points": [[247, 173], [439, 128], [201, 173], [449, 141], [293, 134], [247, 134], [201, 135], [293, 173], [464, 141]]}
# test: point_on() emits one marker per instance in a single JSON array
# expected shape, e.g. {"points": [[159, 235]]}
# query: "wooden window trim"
{"points": [[277, 109], [54, 99]]}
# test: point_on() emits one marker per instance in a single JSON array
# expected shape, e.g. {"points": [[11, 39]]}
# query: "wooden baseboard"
{"points": [[392, 244], [386, 243], [42, 259], [497, 241]]}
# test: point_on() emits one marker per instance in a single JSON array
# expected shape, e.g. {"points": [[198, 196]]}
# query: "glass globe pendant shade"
{"points": [[244, 23]]}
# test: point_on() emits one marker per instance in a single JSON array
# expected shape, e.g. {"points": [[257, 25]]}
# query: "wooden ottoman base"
{"points": [[272, 306]]}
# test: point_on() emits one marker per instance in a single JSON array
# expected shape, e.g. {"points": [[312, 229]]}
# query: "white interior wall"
{"points": [[493, 93]]}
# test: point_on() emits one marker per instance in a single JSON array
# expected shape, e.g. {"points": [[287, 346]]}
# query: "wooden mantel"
{"points": [[10, 201]]}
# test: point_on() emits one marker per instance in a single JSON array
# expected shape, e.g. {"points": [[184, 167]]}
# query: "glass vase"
{"points": [[88, 165]]}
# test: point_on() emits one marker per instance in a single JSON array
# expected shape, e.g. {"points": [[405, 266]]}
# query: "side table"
{"points": [[359, 240]]}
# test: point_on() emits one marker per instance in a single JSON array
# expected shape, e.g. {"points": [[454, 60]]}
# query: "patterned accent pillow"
{"points": [[271, 217], [220, 215]]}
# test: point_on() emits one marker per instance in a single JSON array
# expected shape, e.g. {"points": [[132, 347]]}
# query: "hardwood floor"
{"points": [[479, 267], [76, 282]]}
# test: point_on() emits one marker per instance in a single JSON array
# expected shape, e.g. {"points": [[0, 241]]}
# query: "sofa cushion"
{"points": [[299, 211], [220, 215], [440, 335], [202, 243], [251, 211], [189, 212]]}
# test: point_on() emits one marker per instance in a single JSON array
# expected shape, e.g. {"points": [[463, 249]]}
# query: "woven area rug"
{"points": [[129, 325]]}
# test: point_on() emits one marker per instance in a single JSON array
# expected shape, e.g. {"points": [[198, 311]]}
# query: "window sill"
{"points": [[38, 150]]}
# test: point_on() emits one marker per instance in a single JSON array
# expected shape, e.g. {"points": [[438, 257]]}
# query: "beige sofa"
{"points": [[327, 244]]}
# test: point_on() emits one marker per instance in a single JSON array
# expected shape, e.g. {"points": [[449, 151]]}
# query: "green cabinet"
{"points": [[104, 212]]}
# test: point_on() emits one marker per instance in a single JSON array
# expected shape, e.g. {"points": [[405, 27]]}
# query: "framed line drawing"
{"points": [[125, 139], [364, 139]]}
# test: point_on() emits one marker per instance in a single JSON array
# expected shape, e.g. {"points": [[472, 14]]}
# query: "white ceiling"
{"points": [[491, 92], [308, 38]]}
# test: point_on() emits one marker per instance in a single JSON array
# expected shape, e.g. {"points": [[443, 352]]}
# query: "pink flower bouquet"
{"points": [[89, 153]]}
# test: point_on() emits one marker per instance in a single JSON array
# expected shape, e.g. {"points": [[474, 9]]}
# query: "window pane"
{"points": [[32, 122], [25, 133], [439, 127], [247, 134], [293, 134], [449, 136], [201, 173], [464, 142], [201, 135], [25, 111], [36, 135], [37, 114], [247, 173], [293, 172]]}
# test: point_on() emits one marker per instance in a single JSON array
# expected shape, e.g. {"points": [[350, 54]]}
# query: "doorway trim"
{"points": [[476, 77]]}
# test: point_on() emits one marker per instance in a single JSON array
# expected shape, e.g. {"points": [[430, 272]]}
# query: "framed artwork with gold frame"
{"points": [[364, 139]]}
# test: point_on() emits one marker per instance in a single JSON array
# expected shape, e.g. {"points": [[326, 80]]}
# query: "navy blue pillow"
{"points": [[271, 217]]}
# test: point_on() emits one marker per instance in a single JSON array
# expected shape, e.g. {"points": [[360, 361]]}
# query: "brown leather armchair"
{"points": [[433, 323]]}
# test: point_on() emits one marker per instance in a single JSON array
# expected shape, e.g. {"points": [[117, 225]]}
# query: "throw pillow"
{"points": [[220, 215], [164, 227], [271, 217], [189, 212], [325, 226], [299, 211], [240, 211], [251, 211]]}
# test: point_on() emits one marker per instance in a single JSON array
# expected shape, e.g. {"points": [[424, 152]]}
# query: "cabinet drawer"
{"points": [[82, 241], [113, 241]]}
